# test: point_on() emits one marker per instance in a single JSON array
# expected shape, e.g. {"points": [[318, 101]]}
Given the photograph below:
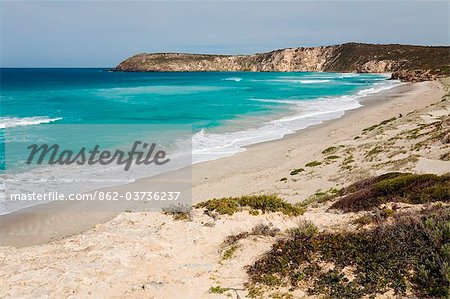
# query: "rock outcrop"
{"points": [[415, 75], [409, 63]]}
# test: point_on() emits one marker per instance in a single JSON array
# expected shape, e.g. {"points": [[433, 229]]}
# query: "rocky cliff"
{"points": [[409, 63]]}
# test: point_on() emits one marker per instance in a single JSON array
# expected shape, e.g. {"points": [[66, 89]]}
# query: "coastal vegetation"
{"points": [[384, 122], [258, 230], [389, 249], [228, 254], [331, 150], [263, 203], [408, 255], [332, 157], [320, 197], [297, 171], [218, 290], [313, 164], [394, 187], [179, 212]]}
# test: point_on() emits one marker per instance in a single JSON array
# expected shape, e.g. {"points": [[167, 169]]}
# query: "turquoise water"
{"points": [[226, 110], [194, 116], [205, 100]]}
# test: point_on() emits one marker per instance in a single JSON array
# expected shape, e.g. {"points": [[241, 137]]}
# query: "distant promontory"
{"points": [[405, 62]]}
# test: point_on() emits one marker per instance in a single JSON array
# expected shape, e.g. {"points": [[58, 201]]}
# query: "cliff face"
{"points": [[309, 59], [412, 63]]}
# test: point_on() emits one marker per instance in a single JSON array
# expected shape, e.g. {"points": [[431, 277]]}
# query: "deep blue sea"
{"points": [[224, 111]]}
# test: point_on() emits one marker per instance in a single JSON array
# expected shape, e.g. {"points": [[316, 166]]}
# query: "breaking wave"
{"points": [[210, 146], [25, 121]]}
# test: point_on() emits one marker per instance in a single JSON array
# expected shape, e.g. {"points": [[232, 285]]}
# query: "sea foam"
{"points": [[25, 121], [236, 79], [210, 146]]}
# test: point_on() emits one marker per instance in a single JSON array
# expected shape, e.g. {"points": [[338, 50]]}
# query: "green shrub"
{"points": [[387, 212], [330, 150], [445, 156], [228, 205], [263, 203], [319, 197], [334, 157], [218, 290], [258, 230], [253, 212], [313, 164], [394, 187], [348, 160], [373, 152], [296, 171], [179, 212], [411, 253], [371, 128], [364, 220], [229, 253]]}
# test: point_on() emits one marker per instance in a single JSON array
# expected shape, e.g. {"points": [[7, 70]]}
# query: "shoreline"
{"points": [[287, 120], [297, 115], [287, 128], [369, 104], [241, 174]]}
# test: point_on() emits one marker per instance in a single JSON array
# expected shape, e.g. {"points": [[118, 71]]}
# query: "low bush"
{"points": [[384, 122], [179, 212], [394, 187], [330, 150], [264, 203], [296, 171], [258, 230], [320, 197], [218, 290], [412, 253], [229, 253], [313, 164], [333, 157]]}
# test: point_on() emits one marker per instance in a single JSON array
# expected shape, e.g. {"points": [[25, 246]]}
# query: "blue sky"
{"points": [[102, 33]]}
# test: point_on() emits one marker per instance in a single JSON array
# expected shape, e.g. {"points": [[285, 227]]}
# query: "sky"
{"points": [[103, 33]]}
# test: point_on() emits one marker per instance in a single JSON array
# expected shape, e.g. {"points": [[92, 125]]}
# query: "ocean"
{"points": [[226, 111]]}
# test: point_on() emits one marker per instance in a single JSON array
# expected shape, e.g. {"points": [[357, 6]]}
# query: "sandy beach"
{"points": [[145, 254]]}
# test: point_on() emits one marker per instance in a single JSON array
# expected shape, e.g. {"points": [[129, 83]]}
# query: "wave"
{"points": [[314, 81], [301, 81], [25, 121], [210, 146], [155, 89], [347, 75], [236, 79]]}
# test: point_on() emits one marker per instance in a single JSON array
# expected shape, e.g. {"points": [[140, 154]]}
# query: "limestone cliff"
{"points": [[412, 63]]}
